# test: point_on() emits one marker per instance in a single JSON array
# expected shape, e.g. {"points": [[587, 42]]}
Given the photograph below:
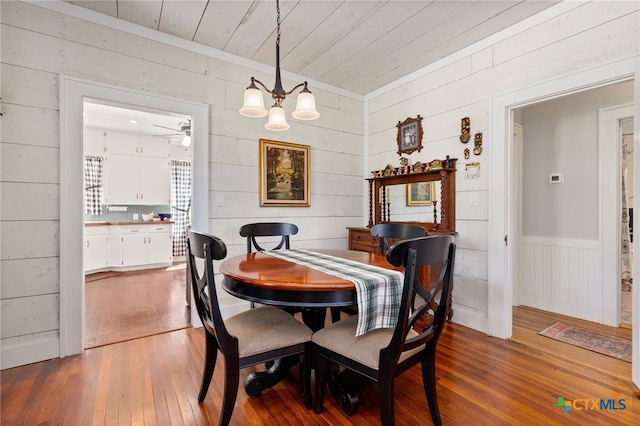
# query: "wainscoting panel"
{"points": [[562, 276]]}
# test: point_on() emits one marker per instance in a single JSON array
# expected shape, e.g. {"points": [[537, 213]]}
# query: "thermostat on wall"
{"points": [[556, 178]]}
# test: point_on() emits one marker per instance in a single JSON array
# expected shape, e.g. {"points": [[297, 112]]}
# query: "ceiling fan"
{"points": [[185, 129]]}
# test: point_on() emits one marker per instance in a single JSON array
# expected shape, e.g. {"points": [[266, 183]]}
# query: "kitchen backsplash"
{"points": [[122, 216]]}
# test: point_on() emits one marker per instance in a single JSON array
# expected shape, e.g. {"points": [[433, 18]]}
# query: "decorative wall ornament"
{"points": [[477, 141], [284, 174], [467, 153], [465, 128], [389, 171], [404, 165], [472, 170], [435, 165], [409, 135]]}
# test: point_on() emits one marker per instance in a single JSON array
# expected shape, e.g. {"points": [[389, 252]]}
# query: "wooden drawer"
{"points": [[362, 240]]}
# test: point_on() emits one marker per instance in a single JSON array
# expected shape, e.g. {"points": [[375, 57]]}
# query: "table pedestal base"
{"points": [[257, 382], [342, 392]]}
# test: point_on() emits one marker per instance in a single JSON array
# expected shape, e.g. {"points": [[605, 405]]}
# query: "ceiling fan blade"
{"points": [[164, 127], [170, 134]]}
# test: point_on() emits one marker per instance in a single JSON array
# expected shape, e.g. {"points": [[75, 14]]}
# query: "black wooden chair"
{"points": [[268, 229], [401, 231], [264, 230], [252, 337], [383, 354], [384, 231]]}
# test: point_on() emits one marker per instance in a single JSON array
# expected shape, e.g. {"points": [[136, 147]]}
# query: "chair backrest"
{"points": [[402, 231], [207, 248], [414, 254], [268, 229]]}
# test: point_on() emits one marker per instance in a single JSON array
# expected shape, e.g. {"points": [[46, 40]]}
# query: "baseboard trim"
{"points": [[29, 353], [472, 318]]}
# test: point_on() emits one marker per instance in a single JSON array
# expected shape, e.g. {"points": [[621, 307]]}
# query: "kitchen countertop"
{"points": [[130, 222]]}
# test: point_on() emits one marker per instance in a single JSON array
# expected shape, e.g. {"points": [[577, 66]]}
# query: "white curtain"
{"points": [[625, 240], [180, 204]]}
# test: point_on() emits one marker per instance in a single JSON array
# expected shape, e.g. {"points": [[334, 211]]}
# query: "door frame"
{"points": [[610, 206], [73, 91], [503, 222]]}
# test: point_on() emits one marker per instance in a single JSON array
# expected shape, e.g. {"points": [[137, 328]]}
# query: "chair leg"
{"points": [[429, 382], [210, 356], [385, 399], [306, 381], [231, 383], [321, 383]]}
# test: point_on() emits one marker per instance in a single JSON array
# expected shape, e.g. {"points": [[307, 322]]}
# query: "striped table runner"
{"points": [[378, 290]]}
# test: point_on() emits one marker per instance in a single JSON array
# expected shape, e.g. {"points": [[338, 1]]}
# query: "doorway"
{"points": [[503, 175], [128, 297], [73, 92], [562, 255]]}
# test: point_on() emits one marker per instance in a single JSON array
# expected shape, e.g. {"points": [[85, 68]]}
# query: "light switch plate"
{"points": [[220, 200], [556, 178]]}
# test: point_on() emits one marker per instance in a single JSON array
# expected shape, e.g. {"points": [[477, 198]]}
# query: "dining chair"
{"points": [[268, 229], [401, 231], [249, 338], [384, 231], [383, 354], [263, 230]]}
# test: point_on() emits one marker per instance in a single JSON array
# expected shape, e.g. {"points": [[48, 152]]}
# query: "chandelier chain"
{"points": [[278, 30]]}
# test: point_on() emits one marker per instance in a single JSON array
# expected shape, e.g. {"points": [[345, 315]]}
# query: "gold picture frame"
{"points": [[421, 194], [284, 174]]}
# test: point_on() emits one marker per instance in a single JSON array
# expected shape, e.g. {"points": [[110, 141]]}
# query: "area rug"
{"points": [[583, 338]]}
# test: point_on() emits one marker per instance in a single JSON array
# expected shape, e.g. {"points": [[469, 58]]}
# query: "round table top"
{"points": [[268, 279]]}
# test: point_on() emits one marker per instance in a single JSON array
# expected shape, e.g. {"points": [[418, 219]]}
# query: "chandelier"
{"points": [[254, 102]]}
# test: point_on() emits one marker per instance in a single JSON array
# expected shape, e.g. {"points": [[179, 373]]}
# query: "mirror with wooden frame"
{"points": [[425, 198]]}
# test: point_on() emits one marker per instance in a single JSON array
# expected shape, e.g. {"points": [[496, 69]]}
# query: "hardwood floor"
{"points": [[127, 305], [481, 381]]}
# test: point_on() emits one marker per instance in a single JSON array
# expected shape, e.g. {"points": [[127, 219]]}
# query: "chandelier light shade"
{"points": [[277, 120], [306, 106], [253, 105]]}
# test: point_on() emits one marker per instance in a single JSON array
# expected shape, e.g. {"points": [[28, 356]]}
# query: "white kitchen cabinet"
{"points": [[138, 180], [133, 248], [155, 146], [132, 144], [155, 181], [93, 141], [96, 248], [159, 244], [142, 245]]}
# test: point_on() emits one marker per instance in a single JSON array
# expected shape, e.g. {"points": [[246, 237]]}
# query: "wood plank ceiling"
{"points": [[356, 45]]}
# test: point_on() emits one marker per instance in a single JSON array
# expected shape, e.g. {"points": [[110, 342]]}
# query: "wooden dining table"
{"points": [[262, 278]]}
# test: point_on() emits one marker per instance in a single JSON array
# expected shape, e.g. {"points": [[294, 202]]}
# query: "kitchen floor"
{"points": [[121, 306]]}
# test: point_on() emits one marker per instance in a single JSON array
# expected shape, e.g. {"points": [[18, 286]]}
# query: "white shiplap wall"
{"points": [[586, 35], [37, 47]]}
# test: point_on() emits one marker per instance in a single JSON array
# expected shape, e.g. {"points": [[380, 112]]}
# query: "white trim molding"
{"points": [[73, 91], [503, 172]]}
